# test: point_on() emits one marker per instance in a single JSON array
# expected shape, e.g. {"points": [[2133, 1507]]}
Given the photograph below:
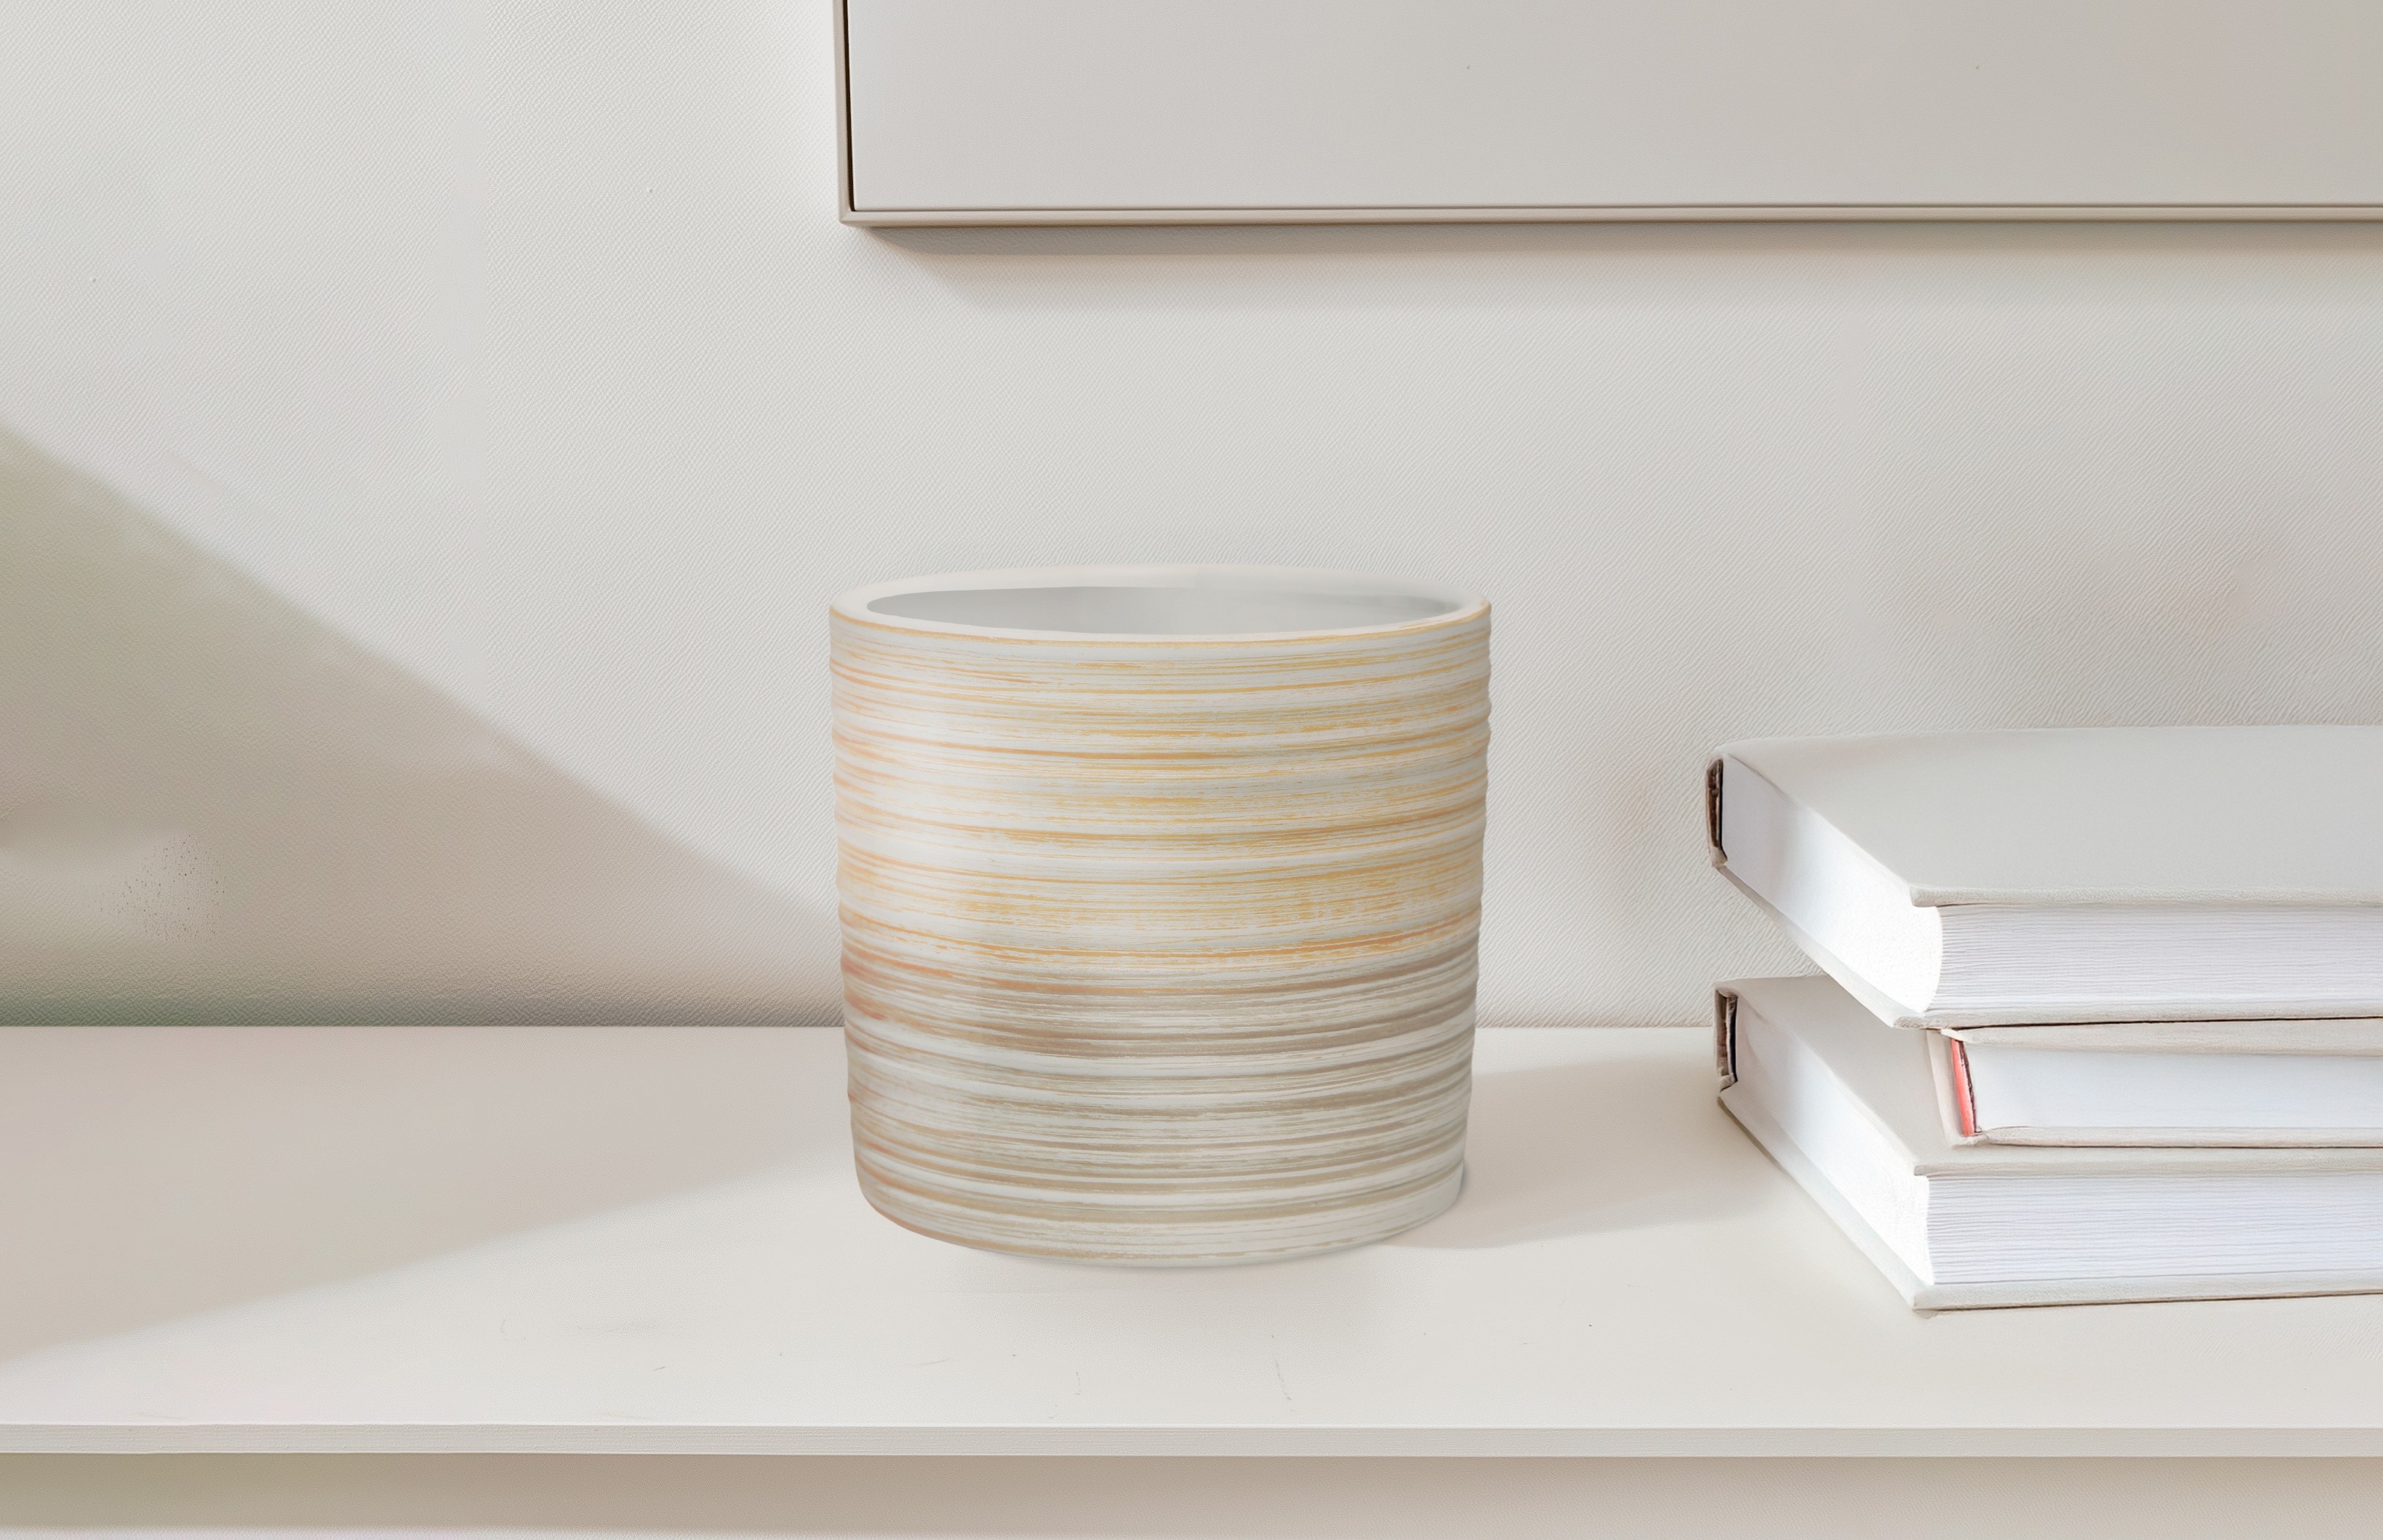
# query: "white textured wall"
{"points": [[436, 431]]}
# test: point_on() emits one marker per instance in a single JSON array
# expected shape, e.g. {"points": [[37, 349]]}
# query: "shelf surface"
{"points": [[648, 1240]]}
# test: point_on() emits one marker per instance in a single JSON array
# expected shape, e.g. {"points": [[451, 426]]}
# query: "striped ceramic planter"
{"points": [[1160, 890]]}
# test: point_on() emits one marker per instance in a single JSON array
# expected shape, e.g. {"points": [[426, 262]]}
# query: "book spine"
{"points": [[1712, 811], [1725, 1035], [1964, 1102]]}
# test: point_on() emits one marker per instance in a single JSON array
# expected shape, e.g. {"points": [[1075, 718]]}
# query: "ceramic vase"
{"points": [[1160, 890]]}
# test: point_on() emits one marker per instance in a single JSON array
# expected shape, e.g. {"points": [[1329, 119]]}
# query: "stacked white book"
{"points": [[2102, 1012]]}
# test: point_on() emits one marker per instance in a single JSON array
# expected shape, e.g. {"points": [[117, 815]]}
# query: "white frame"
{"points": [[1529, 214]]}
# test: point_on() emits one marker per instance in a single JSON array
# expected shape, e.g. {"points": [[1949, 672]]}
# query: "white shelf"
{"points": [[647, 1240]]}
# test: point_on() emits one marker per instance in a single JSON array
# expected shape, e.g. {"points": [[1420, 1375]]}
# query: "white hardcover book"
{"points": [[2248, 1084], [1850, 1110], [2071, 874]]}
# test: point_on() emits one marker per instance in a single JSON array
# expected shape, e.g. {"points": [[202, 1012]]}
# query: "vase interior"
{"points": [[1204, 609]]}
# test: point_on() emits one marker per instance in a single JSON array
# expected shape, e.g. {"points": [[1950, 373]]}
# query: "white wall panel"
{"points": [[1059, 109], [435, 434]]}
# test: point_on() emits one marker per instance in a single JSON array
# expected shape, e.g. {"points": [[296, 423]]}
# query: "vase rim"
{"points": [[1206, 603]]}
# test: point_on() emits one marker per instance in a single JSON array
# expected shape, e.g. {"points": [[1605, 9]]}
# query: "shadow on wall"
{"points": [[212, 807], [1718, 266]]}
